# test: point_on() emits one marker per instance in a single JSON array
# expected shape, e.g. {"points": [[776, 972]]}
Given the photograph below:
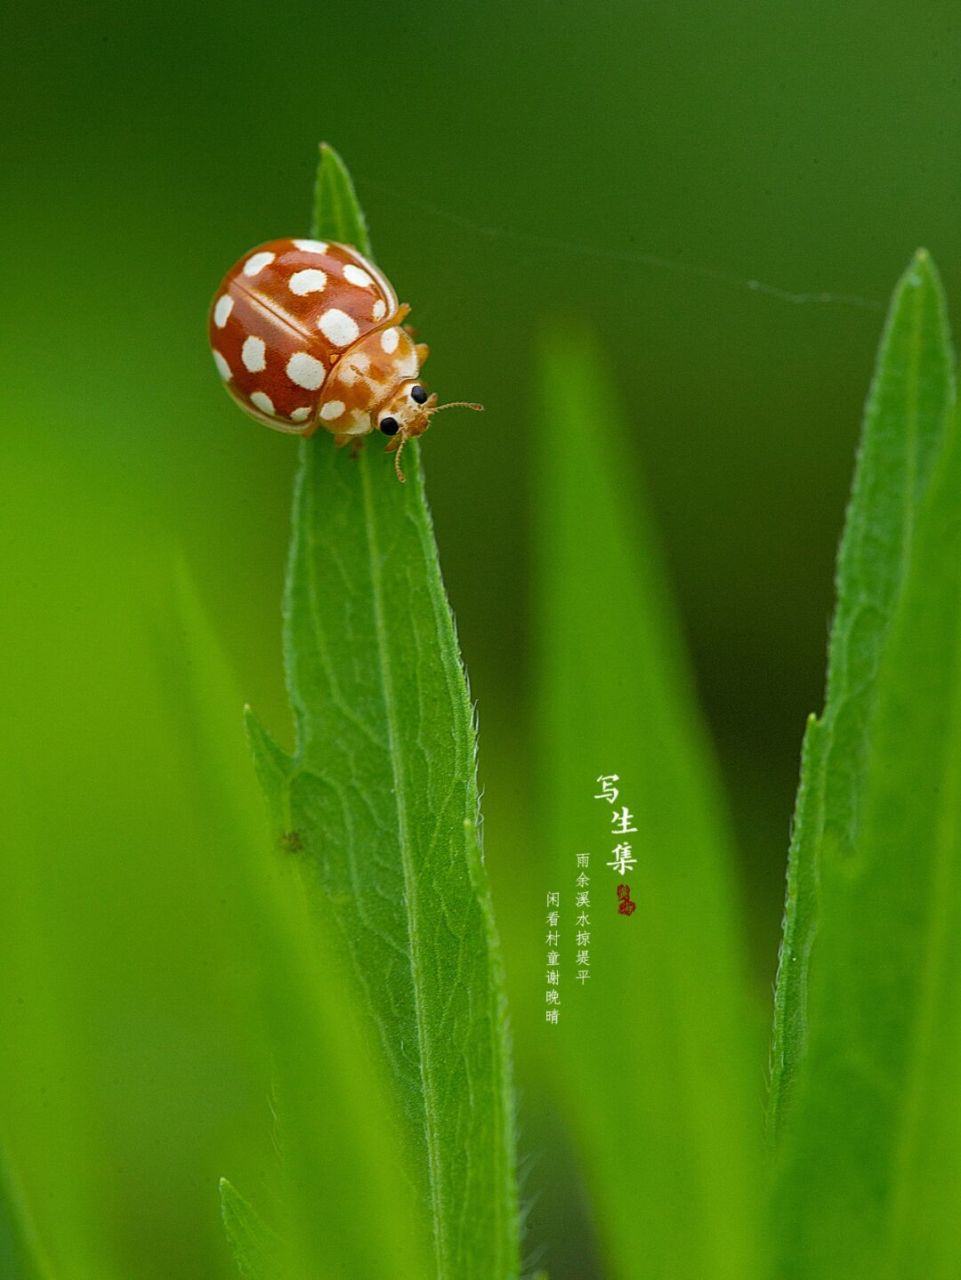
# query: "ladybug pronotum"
{"points": [[308, 334]]}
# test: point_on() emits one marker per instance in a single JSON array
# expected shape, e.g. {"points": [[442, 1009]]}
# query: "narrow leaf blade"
{"points": [[328, 1105], [337, 213], [905, 417], [250, 1238], [655, 1053], [383, 797], [273, 768], [20, 1252], [870, 1170]]}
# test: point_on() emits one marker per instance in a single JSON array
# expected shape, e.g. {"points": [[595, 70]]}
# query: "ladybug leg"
{"points": [[340, 441], [423, 351]]}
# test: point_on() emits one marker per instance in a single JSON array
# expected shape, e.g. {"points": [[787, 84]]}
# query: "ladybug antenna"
{"points": [[400, 449], [457, 404], [403, 436]]}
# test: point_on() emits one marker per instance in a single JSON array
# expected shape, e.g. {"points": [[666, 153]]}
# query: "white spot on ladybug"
{"points": [[389, 340], [357, 276], [225, 304], [352, 367], [254, 355], [332, 409], [223, 368], [380, 309], [300, 415], [310, 280], [338, 327], [253, 266], [305, 371], [311, 246], [262, 401], [406, 365]]}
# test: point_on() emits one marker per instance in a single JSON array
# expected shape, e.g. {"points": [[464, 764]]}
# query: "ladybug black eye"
{"points": [[389, 426], [418, 394]]}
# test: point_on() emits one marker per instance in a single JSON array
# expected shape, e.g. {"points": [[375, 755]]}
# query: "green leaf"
{"points": [[273, 767], [870, 1166], [380, 799], [655, 1057], [250, 1239], [20, 1253], [337, 213], [904, 425], [328, 1103]]}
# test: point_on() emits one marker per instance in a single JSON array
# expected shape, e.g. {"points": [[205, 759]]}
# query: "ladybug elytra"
{"points": [[308, 334]]}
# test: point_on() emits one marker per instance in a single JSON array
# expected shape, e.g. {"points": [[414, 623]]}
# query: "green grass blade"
{"points": [[870, 1169], [250, 1238], [273, 767], [904, 425], [337, 212], [328, 1100], [657, 1063], [381, 799], [20, 1254]]}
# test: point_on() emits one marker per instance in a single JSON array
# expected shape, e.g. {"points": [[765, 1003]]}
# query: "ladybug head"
{"points": [[406, 414]]}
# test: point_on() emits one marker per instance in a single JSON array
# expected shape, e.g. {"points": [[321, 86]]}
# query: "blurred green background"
{"points": [[632, 168]]}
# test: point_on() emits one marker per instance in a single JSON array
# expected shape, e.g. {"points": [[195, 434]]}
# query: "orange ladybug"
{"points": [[308, 334]]}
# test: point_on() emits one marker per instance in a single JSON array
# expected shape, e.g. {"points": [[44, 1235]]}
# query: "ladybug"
{"points": [[308, 334]]}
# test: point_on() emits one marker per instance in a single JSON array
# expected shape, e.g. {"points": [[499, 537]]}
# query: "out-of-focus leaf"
{"points": [[338, 1148], [129, 1061], [656, 1059], [20, 1252], [249, 1236]]}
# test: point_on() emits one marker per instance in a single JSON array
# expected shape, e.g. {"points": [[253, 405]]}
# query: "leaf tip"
{"points": [[230, 1197], [262, 745], [337, 213], [921, 271], [252, 1242]]}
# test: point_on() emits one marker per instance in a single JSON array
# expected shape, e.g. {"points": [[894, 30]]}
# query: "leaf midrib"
{"points": [[411, 902]]}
